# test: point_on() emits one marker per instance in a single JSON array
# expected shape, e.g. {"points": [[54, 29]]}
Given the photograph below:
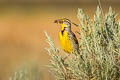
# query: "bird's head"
{"points": [[65, 23]]}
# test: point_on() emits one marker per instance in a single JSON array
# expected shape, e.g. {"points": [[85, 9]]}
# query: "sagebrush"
{"points": [[29, 72], [99, 46]]}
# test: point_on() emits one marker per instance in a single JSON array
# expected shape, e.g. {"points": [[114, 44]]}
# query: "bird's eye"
{"points": [[67, 24]]}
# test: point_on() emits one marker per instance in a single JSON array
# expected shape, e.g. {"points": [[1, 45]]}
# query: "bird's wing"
{"points": [[74, 40]]}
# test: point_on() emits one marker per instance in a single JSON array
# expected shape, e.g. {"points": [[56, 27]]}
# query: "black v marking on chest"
{"points": [[62, 32]]}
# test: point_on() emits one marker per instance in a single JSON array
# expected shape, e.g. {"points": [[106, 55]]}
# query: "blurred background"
{"points": [[22, 26]]}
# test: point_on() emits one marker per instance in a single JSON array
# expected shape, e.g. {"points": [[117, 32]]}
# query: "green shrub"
{"points": [[99, 47]]}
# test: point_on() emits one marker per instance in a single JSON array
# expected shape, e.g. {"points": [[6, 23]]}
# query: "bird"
{"points": [[67, 38]]}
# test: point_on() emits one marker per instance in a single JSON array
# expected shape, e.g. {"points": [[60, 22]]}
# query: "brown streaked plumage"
{"points": [[67, 38]]}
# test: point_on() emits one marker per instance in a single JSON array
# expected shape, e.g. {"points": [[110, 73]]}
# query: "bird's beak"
{"points": [[58, 21]]}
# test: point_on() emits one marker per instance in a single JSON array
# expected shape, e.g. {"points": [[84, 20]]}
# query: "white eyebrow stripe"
{"points": [[68, 22]]}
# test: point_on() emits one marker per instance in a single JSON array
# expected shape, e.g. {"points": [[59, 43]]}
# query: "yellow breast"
{"points": [[65, 42]]}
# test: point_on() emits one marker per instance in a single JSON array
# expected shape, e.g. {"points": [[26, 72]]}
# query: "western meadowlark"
{"points": [[67, 38]]}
